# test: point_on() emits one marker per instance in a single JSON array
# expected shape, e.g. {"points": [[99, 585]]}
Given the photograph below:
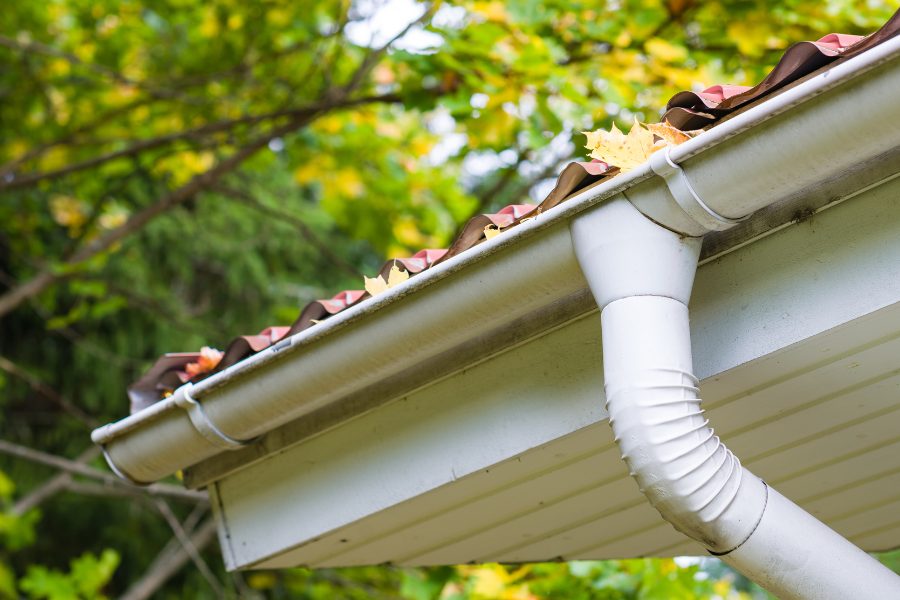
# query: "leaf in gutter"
{"points": [[491, 231], [207, 361], [377, 285], [625, 151], [668, 133]]}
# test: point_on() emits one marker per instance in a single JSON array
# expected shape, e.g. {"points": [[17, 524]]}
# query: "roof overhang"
{"points": [[475, 387]]}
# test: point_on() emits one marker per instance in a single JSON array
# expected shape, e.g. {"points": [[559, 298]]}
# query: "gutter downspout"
{"points": [[641, 275]]}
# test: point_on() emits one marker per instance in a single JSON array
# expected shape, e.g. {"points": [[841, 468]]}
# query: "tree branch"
{"points": [[48, 392], [168, 563], [303, 112], [189, 547], [307, 233], [375, 54], [52, 486], [76, 468], [117, 77], [44, 279]]}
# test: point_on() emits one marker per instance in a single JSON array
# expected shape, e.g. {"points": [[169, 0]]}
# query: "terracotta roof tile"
{"points": [[686, 111]]}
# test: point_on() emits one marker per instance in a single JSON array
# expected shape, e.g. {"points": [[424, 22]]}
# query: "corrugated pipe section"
{"points": [[641, 275]]}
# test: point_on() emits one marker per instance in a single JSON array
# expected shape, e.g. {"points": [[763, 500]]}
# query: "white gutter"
{"points": [[796, 144]]}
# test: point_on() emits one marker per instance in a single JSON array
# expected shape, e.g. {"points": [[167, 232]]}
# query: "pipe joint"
{"points": [[623, 253]]}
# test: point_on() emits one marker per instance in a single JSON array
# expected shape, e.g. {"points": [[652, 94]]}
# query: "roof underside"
{"points": [[796, 341]]}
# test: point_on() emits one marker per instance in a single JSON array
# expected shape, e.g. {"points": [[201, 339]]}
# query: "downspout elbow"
{"points": [[641, 275]]}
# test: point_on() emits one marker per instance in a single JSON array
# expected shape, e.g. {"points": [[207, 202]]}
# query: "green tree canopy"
{"points": [[176, 172]]}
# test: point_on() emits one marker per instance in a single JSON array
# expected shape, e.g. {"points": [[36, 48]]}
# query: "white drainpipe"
{"points": [[641, 275]]}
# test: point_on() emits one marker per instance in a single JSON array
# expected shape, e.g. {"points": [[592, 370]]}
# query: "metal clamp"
{"points": [[685, 195], [203, 424]]}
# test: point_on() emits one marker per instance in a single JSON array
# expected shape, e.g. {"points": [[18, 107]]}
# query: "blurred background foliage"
{"points": [[176, 172]]}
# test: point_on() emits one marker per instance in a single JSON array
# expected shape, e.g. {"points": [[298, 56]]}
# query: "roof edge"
{"points": [[813, 115]]}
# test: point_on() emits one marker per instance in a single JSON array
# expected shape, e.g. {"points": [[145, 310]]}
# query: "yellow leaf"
{"points": [[113, 217], [332, 124], [618, 149], [665, 51], [491, 231], [261, 581], [69, 212], [751, 36], [623, 39], [346, 182], [492, 11], [209, 27], [307, 172], [377, 285], [671, 135], [407, 233], [396, 277]]}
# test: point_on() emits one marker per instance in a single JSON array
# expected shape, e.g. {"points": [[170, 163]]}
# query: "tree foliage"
{"points": [[176, 172]]}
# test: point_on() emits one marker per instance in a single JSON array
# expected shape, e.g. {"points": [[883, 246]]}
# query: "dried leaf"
{"points": [[396, 277], [377, 285], [491, 231], [668, 133], [209, 359], [618, 149], [628, 151]]}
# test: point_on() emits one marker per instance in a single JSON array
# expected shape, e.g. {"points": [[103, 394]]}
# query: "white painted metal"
{"points": [[353, 350], [793, 150], [572, 498], [798, 370], [695, 482]]}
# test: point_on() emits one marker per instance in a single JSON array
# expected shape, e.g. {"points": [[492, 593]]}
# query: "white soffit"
{"points": [[796, 339]]}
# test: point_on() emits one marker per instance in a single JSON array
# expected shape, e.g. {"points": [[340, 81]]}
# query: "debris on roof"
{"points": [[685, 111]]}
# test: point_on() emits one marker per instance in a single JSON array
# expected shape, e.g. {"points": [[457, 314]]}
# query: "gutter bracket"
{"points": [[204, 425], [684, 194]]}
